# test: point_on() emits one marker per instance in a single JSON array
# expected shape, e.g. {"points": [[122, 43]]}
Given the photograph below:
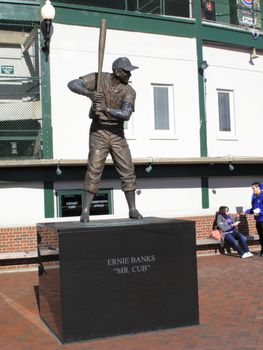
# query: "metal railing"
{"points": [[235, 12], [20, 103]]}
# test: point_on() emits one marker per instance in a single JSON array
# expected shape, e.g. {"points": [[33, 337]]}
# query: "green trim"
{"points": [[205, 193], [49, 199], [28, 11], [47, 138], [46, 108], [20, 11], [201, 83], [124, 20], [230, 36], [202, 107], [77, 173], [222, 12]]}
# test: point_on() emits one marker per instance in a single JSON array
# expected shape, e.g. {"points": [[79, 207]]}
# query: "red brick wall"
{"points": [[17, 239], [21, 239], [204, 225]]}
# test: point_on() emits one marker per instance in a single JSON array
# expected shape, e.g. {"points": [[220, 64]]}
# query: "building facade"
{"points": [[195, 133]]}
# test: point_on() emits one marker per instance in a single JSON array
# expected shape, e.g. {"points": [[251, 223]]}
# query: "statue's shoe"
{"points": [[84, 216], [134, 214]]}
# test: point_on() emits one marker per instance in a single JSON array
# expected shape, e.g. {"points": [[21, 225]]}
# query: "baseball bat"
{"points": [[102, 41]]}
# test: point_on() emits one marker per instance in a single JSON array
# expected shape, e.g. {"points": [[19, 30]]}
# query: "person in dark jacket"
{"points": [[257, 210], [237, 240]]}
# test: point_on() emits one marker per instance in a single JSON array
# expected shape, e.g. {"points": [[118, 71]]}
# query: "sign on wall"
{"points": [[70, 203], [248, 13], [7, 69]]}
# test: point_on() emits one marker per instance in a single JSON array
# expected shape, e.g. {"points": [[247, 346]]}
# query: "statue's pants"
{"points": [[104, 140]]}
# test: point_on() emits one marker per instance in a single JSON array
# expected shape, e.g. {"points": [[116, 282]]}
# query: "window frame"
{"points": [[129, 128], [170, 133], [227, 135], [128, 125]]}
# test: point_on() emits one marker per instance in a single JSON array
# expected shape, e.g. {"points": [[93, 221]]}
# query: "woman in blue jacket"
{"points": [[257, 210]]}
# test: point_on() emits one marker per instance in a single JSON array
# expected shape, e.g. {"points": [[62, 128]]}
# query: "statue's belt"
{"points": [[108, 122]]}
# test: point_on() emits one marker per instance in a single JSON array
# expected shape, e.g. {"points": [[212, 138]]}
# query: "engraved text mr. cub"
{"points": [[132, 264]]}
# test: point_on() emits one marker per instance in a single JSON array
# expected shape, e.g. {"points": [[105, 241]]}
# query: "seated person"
{"points": [[237, 240]]}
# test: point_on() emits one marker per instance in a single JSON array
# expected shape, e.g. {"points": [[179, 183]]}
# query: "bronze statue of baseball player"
{"points": [[111, 106]]}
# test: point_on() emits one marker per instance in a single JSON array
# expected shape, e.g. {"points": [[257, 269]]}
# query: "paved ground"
{"points": [[230, 301]]}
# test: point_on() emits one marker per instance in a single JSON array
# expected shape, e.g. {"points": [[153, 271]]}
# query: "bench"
{"points": [[213, 241], [27, 254], [201, 244]]}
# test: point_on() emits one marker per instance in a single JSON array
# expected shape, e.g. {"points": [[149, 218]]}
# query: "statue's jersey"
{"points": [[115, 95]]}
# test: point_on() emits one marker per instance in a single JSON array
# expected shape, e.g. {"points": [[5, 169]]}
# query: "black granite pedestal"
{"points": [[113, 277]]}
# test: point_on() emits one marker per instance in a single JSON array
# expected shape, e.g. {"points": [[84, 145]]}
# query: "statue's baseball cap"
{"points": [[123, 63]]}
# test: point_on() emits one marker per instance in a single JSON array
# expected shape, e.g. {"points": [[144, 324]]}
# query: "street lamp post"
{"points": [[47, 14]]}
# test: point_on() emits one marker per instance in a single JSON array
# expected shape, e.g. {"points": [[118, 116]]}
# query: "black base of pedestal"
{"points": [[117, 277]]}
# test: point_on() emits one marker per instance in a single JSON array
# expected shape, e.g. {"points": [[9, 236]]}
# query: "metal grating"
{"points": [[20, 104]]}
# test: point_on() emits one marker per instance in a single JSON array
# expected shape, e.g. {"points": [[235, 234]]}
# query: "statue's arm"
{"points": [[79, 87], [124, 113]]}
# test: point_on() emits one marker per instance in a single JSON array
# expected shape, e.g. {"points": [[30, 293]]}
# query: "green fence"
{"points": [[164, 7], [237, 12], [20, 103]]}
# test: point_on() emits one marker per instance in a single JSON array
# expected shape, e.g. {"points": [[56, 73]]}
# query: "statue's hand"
{"points": [[99, 104], [96, 97]]}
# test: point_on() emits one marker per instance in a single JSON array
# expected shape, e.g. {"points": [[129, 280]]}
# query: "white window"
{"points": [[226, 114], [129, 125], [163, 111], [129, 128]]}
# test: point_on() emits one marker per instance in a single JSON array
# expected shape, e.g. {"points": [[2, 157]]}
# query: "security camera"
{"points": [[254, 33]]}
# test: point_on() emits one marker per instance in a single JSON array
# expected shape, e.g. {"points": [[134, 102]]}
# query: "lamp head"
{"points": [[47, 14], [231, 166], [58, 171], [203, 65], [48, 11], [148, 169]]}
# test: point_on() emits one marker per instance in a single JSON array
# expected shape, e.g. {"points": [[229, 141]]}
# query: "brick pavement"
{"points": [[231, 313]]}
